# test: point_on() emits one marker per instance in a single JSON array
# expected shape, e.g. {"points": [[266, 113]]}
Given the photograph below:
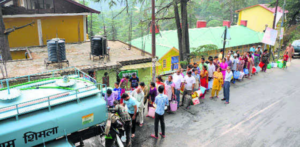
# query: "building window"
{"points": [[164, 63]]}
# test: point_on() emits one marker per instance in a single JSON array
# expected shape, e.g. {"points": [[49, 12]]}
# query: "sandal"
{"points": [[141, 125], [163, 136], [153, 136]]}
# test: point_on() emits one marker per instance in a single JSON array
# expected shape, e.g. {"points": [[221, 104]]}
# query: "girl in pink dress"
{"points": [[223, 66]]}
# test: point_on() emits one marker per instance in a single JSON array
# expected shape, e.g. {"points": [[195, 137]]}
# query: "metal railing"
{"points": [[47, 101], [14, 109], [16, 82]]}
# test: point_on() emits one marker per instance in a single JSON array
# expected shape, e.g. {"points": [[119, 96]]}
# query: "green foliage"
{"points": [[214, 23], [294, 35], [293, 6], [184, 62], [202, 50], [117, 20]]}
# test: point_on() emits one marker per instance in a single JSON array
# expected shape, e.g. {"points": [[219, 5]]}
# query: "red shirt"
{"points": [[285, 57]]}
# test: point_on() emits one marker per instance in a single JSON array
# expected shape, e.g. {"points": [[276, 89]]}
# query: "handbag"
{"points": [[151, 112], [196, 101], [173, 105]]}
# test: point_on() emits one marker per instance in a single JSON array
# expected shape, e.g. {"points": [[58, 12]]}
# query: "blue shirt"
{"points": [[130, 105], [134, 82], [119, 92], [252, 49], [161, 101]]}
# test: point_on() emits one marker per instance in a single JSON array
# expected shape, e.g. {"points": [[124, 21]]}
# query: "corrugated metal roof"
{"points": [[240, 35]]}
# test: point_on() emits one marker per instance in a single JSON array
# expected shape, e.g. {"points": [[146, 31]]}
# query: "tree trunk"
{"points": [[179, 31], [4, 46], [231, 12], [185, 31]]}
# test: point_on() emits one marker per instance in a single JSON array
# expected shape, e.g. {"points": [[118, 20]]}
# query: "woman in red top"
{"points": [[159, 81], [204, 80]]}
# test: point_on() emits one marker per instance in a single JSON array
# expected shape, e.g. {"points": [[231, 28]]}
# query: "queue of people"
{"points": [[214, 73]]}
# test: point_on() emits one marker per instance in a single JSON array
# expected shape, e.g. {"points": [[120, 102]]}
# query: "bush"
{"points": [[214, 23]]}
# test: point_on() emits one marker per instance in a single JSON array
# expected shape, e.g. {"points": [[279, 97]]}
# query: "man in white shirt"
{"points": [[235, 61], [189, 82], [226, 88], [178, 80], [138, 94], [211, 69]]}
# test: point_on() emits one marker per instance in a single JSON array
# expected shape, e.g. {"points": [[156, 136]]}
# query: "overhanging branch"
{"points": [[9, 30], [156, 19]]}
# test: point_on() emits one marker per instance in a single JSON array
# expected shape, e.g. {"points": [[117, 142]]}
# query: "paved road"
{"points": [[263, 112]]}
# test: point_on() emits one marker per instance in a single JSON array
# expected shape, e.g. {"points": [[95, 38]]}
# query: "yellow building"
{"points": [[166, 63], [258, 16], [64, 19]]}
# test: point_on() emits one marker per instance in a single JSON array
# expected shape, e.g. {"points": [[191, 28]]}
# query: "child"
{"points": [[118, 89], [285, 59], [161, 101]]}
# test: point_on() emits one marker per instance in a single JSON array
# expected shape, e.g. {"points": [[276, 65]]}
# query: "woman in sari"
{"points": [[204, 80], [217, 83], [223, 66]]}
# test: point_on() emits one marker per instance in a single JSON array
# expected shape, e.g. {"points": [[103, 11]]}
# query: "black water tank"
{"points": [[96, 46], [56, 50], [99, 45]]}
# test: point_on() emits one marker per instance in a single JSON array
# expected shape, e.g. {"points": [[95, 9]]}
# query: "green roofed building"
{"points": [[242, 38]]}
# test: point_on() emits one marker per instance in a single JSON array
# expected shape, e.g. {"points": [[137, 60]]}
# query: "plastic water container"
{"points": [[173, 106]]}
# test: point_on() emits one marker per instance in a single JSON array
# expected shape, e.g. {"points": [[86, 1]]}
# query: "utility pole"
{"points": [[274, 24], [282, 21], [153, 41], [224, 42]]}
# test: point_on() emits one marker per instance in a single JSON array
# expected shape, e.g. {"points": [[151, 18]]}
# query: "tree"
{"points": [[202, 50], [4, 44], [229, 6], [185, 31], [214, 23], [293, 6], [177, 21]]}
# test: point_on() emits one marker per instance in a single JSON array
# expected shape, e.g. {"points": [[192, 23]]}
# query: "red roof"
{"points": [[265, 6]]}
